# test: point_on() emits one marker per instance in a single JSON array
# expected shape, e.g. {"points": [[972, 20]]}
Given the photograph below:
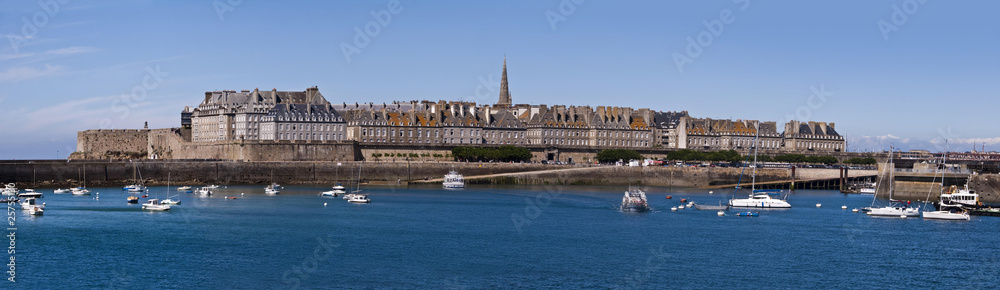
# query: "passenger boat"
{"points": [[155, 205], [634, 200], [963, 197], [453, 180]]}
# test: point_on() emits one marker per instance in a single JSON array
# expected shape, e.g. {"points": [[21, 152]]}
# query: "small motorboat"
{"points": [[80, 191], [749, 214], [36, 210], [184, 188], [169, 201], [203, 192], [132, 199], [155, 205], [30, 203], [30, 193], [62, 190]]}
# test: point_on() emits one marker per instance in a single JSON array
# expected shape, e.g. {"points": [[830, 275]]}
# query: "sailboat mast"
{"points": [[753, 180], [892, 171]]}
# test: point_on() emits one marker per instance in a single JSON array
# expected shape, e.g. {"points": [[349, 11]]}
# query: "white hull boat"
{"points": [[78, 191], [30, 193], [62, 190], [946, 215], [759, 200], [634, 200], [36, 210], [155, 205], [453, 180], [894, 211], [358, 198], [31, 203]]}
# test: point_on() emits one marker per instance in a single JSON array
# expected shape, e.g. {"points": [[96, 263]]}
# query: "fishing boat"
{"points": [[30, 193], [758, 197], [155, 205], [9, 189], [896, 208], [453, 180], [29, 203], [634, 200], [204, 192]]}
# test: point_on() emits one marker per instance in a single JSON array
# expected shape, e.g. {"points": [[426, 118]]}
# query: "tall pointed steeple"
{"points": [[504, 93]]}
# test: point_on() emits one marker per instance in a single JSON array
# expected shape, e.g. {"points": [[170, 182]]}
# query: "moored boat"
{"points": [[155, 205], [30, 193], [453, 180], [359, 198]]}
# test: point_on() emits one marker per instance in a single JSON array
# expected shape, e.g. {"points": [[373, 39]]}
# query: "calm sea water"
{"points": [[486, 237]]}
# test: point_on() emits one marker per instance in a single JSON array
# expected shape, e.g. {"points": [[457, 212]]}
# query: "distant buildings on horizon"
{"points": [[307, 115]]}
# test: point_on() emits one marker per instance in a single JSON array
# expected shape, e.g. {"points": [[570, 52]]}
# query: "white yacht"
{"points": [[634, 200], [29, 203], [184, 188], [9, 189], [359, 198], [337, 190], [154, 204], [454, 180], [62, 190], [30, 193], [896, 208], [762, 199], [170, 201]]}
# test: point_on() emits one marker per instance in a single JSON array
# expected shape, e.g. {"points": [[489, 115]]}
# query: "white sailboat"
{"points": [[355, 196], [758, 198], [170, 201], [896, 208], [951, 204]]}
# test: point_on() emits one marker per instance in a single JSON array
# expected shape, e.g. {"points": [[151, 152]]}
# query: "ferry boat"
{"points": [[634, 200], [155, 205], [454, 180], [959, 196]]}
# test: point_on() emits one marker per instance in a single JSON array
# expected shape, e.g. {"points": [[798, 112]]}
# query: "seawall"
{"points": [[44, 174]]}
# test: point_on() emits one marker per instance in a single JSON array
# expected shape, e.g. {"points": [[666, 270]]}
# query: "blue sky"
{"points": [[79, 65]]}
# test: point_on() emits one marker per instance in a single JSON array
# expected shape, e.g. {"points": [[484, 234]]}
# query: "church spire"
{"points": [[504, 93]]}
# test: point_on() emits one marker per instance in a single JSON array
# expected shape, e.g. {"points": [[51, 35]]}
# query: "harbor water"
{"points": [[490, 237]]}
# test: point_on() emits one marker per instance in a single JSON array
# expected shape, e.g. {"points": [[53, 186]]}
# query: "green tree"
{"points": [[613, 155]]}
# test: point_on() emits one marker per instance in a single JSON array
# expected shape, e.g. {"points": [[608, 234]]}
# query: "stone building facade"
{"points": [[255, 116]]}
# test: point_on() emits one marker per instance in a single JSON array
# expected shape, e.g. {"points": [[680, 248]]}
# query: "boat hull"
{"points": [[894, 212], [759, 203], [944, 215]]}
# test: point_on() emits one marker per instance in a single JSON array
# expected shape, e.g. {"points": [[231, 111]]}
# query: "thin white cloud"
{"points": [[16, 74], [10, 56]]}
